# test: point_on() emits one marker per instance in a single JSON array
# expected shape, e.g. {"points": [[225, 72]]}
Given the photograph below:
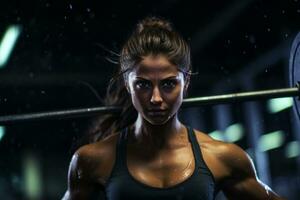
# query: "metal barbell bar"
{"points": [[188, 102]]}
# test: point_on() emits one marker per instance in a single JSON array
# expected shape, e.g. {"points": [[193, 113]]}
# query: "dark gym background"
{"points": [[61, 60]]}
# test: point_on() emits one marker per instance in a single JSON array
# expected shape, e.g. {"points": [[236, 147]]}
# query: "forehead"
{"points": [[157, 64]]}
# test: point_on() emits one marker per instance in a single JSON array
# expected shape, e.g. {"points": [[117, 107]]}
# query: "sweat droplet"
{"points": [[79, 174]]}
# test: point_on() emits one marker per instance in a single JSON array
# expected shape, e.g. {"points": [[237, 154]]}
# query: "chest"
{"points": [[163, 169], [168, 175]]}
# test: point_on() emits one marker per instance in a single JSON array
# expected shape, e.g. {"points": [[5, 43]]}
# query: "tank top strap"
{"points": [[121, 150], [195, 147], [200, 163]]}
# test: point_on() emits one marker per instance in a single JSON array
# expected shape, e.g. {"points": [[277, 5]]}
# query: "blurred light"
{"points": [[234, 132], [217, 135], [2, 132], [292, 149], [32, 177], [279, 104], [8, 42], [270, 141]]}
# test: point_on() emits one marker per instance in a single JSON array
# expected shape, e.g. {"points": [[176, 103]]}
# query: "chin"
{"points": [[158, 121]]}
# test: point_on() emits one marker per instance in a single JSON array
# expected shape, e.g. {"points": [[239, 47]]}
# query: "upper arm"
{"points": [[81, 183], [243, 182]]}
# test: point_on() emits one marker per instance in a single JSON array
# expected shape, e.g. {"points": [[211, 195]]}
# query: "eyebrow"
{"points": [[170, 77]]}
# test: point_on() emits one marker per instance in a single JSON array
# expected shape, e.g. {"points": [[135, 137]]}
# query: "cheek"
{"points": [[138, 99], [179, 96], [175, 97]]}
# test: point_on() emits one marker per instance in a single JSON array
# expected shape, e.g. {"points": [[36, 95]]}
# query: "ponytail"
{"points": [[116, 95]]}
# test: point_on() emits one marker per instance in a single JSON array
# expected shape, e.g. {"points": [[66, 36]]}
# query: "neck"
{"points": [[158, 136]]}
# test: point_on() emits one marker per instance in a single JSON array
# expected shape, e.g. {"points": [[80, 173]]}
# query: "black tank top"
{"points": [[122, 186]]}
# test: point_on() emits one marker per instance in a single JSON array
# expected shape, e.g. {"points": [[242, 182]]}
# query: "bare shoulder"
{"points": [[98, 149], [95, 160], [229, 156], [89, 168]]}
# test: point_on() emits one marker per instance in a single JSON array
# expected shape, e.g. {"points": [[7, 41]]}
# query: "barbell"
{"points": [[292, 91]]}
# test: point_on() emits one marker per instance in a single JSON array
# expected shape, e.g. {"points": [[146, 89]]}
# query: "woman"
{"points": [[146, 152]]}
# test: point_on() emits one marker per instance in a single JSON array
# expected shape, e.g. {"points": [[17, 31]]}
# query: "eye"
{"points": [[169, 84], [142, 84]]}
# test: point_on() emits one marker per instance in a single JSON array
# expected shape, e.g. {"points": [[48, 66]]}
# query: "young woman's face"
{"points": [[156, 88]]}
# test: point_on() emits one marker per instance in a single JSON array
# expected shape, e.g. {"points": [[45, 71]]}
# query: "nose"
{"points": [[156, 96]]}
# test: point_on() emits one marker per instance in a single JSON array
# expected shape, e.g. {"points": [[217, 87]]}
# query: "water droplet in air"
{"points": [[79, 174]]}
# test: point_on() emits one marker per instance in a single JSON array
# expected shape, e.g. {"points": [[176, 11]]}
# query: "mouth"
{"points": [[157, 112]]}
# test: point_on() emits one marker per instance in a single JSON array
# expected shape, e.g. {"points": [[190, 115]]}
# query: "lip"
{"points": [[157, 112]]}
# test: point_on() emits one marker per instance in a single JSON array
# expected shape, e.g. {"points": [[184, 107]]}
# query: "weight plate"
{"points": [[294, 71]]}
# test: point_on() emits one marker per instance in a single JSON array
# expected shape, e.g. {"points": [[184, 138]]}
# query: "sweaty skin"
{"points": [[159, 153]]}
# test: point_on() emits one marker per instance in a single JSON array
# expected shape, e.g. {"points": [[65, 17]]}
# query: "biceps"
{"points": [[248, 188]]}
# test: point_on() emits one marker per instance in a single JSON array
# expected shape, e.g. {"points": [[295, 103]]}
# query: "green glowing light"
{"points": [[234, 132], [8, 42], [2, 132], [32, 177], [271, 141], [217, 135], [292, 149], [279, 104]]}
